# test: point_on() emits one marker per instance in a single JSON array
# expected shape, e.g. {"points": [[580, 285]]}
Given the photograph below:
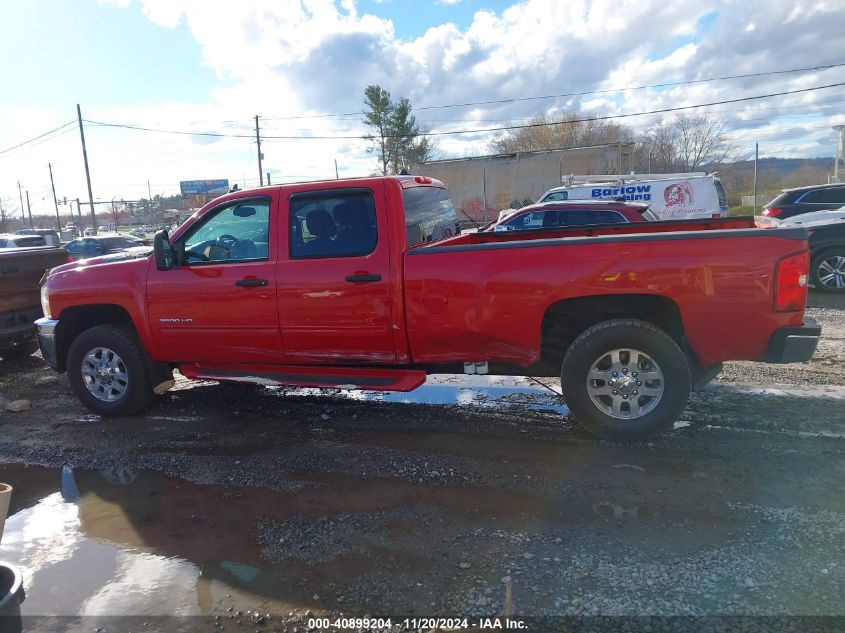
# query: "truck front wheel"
{"points": [[625, 379], [108, 371]]}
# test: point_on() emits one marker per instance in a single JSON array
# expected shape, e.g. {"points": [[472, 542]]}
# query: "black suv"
{"points": [[803, 199]]}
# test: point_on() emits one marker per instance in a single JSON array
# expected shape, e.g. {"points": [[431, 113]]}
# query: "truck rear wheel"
{"points": [[108, 371], [625, 379]]}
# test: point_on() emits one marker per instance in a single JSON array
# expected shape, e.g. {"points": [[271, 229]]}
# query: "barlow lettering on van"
{"points": [[631, 192]]}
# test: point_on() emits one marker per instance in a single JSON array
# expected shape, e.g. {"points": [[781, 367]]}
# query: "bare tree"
{"points": [[684, 143], [546, 132]]}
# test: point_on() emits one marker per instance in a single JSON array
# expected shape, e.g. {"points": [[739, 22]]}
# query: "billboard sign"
{"points": [[204, 187]]}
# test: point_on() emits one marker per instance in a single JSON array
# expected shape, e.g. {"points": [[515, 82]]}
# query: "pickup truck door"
{"points": [[219, 303], [334, 279]]}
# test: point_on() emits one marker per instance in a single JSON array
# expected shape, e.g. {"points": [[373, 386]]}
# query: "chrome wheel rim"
{"points": [[625, 383], [831, 272], [104, 374]]}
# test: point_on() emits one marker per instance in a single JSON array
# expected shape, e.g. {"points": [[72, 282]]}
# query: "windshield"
{"points": [[555, 196], [429, 214]]}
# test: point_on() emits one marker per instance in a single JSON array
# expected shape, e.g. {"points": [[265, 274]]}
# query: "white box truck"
{"points": [[671, 196]]}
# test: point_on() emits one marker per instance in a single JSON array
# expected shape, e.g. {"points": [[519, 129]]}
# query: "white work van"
{"points": [[671, 196]]}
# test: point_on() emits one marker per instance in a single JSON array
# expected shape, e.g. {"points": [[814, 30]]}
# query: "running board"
{"points": [[310, 376]]}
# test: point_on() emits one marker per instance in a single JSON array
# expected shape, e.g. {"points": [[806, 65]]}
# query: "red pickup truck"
{"points": [[367, 284]]}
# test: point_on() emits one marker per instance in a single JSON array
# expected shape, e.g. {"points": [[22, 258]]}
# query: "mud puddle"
{"points": [[459, 390], [122, 541]]}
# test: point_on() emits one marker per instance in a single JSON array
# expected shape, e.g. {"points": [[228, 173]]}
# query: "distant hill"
{"points": [[780, 167], [773, 174]]}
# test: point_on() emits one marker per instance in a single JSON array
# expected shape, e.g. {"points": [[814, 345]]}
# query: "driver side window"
{"points": [[240, 232]]}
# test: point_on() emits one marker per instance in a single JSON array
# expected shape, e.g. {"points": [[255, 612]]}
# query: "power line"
{"points": [[481, 130], [577, 94], [61, 127]]}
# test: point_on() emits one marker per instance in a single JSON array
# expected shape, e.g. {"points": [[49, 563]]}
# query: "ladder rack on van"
{"points": [[573, 179]]}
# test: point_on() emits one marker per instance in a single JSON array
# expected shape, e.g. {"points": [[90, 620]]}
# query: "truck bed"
{"points": [[493, 291], [663, 226]]}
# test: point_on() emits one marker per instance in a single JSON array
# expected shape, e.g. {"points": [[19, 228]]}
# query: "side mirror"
{"points": [[163, 251]]}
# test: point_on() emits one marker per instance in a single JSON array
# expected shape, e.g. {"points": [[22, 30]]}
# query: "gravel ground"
{"points": [[378, 508]]}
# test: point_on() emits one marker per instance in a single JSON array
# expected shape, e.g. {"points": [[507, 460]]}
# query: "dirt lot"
{"points": [[243, 501]]}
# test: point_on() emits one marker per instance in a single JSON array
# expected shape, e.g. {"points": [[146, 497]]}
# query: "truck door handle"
{"points": [[251, 282], [362, 278]]}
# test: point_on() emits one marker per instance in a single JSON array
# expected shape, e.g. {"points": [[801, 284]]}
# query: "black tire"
{"points": [[137, 388], [21, 350], [828, 258], [658, 348]]}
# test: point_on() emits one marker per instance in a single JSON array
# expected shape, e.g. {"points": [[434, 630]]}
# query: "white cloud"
{"points": [[286, 58]]}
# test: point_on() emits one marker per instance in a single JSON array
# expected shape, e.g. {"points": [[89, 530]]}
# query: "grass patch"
{"points": [[740, 210]]}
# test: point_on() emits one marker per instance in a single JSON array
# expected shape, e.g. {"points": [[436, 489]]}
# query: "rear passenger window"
{"points": [[829, 196], [340, 223]]}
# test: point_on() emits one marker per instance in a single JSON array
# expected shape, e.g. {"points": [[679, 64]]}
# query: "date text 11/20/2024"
{"points": [[413, 624]]}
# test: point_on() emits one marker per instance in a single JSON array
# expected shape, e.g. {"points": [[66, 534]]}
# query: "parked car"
{"points": [[98, 245], [800, 200], [813, 217], [827, 248], [50, 236], [20, 302], [573, 213], [9, 240], [338, 295]]}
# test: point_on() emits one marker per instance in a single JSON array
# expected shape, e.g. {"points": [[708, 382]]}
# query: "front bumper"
{"points": [[45, 332], [17, 325], [794, 344]]}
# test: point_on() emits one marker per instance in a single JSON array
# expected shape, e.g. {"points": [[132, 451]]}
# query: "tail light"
{"points": [[772, 212], [791, 283], [69, 259]]}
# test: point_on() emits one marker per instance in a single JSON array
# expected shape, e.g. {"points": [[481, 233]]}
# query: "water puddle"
{"points": [[461, 390], [129, 542], [101, 543]]}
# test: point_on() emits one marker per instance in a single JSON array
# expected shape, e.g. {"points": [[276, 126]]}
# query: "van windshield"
{"points": [[429, 214], [556, 196]]}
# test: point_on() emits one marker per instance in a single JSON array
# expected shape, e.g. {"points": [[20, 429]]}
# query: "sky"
{"points": [[302, 65]]}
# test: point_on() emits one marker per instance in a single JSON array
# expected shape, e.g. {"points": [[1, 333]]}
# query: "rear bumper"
{"points": [[794, 344], [45, 333]]}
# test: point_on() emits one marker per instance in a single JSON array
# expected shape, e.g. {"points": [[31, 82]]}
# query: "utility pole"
{"points": [[840, 153], [29, 209], [20, 193], [260, 155], [335, 170], [756, 156], [87, 172], [79, 213], [55, 200], [268, 177], [150, 194]]}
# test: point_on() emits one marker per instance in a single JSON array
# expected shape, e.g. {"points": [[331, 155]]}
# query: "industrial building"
{"points": [[493, 183]]}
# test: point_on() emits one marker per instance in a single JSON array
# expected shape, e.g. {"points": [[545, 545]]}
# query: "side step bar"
{"points": [[310, 376]]}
